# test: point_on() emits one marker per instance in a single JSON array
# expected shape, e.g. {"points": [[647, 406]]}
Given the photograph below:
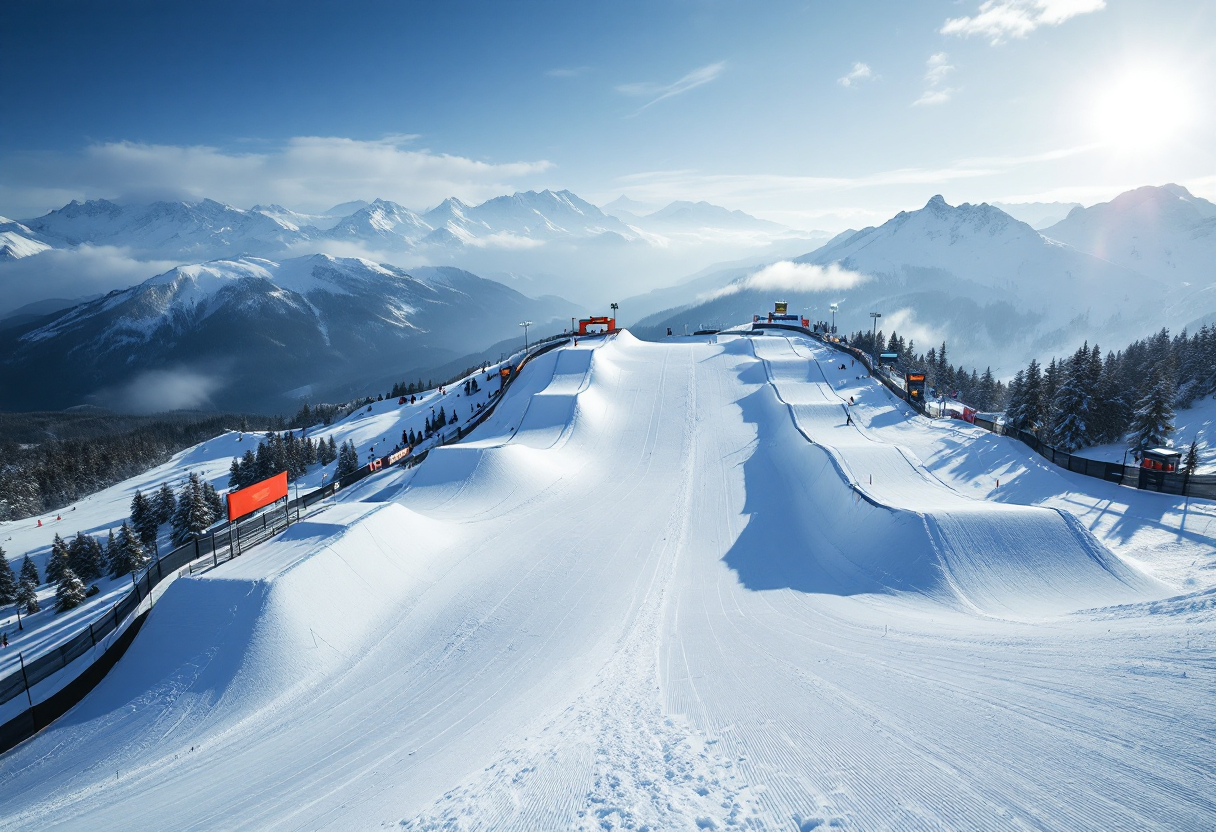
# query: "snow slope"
{"points": [[1165, 233], [375, 430], [645, 595]]}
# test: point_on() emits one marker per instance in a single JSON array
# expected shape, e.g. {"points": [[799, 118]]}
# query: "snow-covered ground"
{"points": [[375, 429], [666, 586]]}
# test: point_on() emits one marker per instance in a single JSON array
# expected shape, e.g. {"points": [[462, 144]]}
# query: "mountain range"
{"points": [[251, 330], [998, 290], [209, 228], [250, 333], [540, 242]]}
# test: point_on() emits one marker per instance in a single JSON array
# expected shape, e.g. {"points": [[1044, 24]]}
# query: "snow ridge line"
{"points": [[831, 452]]}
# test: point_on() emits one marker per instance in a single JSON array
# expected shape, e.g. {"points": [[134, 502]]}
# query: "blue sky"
{"points": [[815, 114]]}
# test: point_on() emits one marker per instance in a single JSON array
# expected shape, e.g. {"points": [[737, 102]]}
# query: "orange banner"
{"points": [[249, 500]]}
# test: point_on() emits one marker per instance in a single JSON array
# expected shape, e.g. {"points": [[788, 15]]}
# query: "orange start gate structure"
{"points": [[594, 321]]}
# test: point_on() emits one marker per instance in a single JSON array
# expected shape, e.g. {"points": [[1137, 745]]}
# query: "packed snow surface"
{"points": [[666, 586]]}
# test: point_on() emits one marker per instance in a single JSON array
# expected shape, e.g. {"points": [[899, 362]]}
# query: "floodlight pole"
{"points": [[875, 316], [614, 309], [525, 325], [834, 307]]}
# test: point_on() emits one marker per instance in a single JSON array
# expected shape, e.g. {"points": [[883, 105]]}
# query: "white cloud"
{"points": [[998, 20], [659, 92], [904, 323], [859, 72], [156, 391], [72, 273], [568, 71], [938, 67], [787, 276], [308, 173]]}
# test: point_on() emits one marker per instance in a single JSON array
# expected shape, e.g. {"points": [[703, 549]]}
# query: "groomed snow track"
{"points": [[656, 589]]}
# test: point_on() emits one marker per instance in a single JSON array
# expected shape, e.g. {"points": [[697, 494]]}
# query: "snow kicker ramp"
{"points": [[638, 598]]}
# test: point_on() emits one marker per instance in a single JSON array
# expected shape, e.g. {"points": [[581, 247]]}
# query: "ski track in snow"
{"points": [[646, 595]]}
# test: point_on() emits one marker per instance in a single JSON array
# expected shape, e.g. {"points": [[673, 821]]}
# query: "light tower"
{"points": [[834, 307], [876, 316], [525, 325]]}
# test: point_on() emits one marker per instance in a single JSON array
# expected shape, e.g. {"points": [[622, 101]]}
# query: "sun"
{"points": [[1141, 108]]}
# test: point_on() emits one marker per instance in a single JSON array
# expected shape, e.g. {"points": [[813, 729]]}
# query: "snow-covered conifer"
{"points": [[69, 591], [27, 587], [85, 557], [166, 504], [1191, 461], [130, 556], [143, 519], [1072, 407], [214, 502], [1153, 422], [8, 581], [58, 561], [113, 558]]}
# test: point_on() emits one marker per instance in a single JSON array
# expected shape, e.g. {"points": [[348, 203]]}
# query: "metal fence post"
{"points": [[25, 679]]}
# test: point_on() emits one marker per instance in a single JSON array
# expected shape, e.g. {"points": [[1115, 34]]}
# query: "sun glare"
{"points": [[1141, 108]]}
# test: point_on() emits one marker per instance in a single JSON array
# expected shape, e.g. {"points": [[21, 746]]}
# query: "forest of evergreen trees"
{"points": [[47, 475], [1087, 398], [1130, 395], [84, 558], [981, 391]]}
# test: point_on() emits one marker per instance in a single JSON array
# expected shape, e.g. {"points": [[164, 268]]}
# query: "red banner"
{"points": [[256, 496]]}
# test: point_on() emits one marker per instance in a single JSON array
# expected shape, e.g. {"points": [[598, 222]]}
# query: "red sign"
{"points": [[256, 496]]}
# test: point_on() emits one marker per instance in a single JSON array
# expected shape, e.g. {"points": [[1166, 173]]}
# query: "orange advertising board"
{"points": [[256, 496]]}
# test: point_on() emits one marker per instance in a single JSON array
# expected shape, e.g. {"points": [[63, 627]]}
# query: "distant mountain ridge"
{"points": [[250, 330], [207, 228], [1164, 232], [997, 290]]}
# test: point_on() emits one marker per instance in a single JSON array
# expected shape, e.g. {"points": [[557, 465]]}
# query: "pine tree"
{"points": [[143, 519], [1072, 406], [214, 502], [1110, 415], [194, 513], [110, 555], [1191, 461], [85, 557], [249, 468], [1153, 422], [27, 587], [348, 460], [58, 561], [1051, 385], [1013, 407], [166, 504], [129, 553], [69, 593], [8, 581], [234, 474]]}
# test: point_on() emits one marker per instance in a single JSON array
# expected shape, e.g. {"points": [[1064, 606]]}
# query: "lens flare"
{"points": [[1142, 108]]}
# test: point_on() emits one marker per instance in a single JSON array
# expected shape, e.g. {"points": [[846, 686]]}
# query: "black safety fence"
{"points": [[1180, 483], [224, 542]]}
